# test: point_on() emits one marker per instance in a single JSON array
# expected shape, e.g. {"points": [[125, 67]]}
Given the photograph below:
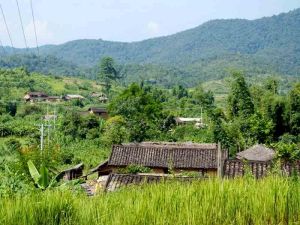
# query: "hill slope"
{"points": [[267, 45]]}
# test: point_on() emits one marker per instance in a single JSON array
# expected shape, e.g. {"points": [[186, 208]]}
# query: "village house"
{"points": [[257, 159], [206, 159], [53, 99], [101, 112], [71, 173], [101, 97], [72, 97], [35, 96], [198, 122]]}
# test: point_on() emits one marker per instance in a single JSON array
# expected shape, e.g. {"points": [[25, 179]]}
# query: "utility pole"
{"points": [[54, 121], [42, 128], [42, 137]]}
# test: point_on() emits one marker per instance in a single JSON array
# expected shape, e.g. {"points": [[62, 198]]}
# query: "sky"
{"points": [[59, 21]]}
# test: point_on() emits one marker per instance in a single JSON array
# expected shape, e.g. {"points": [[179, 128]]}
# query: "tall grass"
{"points": [[272, 200]]}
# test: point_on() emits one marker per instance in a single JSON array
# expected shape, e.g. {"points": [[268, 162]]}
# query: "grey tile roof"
{"points": [[163, 156]]}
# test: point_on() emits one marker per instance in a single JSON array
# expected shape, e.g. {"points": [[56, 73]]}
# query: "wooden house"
{"points": [[206, 159], [101, 112], [53, 99], [72, 173], [100, 96], [198, 122], [72, 97], [257, 160], [35, 96]]}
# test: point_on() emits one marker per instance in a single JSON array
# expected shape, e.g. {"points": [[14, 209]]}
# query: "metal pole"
{"points": [[42, 137]]}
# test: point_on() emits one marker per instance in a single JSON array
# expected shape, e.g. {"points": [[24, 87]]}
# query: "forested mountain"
{"points": [[267, 45]]}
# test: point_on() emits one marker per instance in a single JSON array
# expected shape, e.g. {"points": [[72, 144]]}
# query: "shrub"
{"points": [[134, 169], [13, 145]]}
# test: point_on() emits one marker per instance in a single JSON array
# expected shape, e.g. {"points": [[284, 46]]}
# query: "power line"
{"points": [[33, 19], [21, 21], [4, 19]]}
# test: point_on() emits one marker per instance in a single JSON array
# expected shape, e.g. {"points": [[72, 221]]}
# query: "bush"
{"points": [[13, 145], [134, 169], [114, 131]]}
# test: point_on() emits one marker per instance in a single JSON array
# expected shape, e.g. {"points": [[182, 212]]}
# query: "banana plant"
{"points": [[41, 178]]}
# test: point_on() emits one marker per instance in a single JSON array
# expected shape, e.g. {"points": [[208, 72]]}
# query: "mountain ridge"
{"points": [[265, 45]]}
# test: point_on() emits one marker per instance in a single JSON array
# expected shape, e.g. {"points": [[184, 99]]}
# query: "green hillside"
{"points": [[207, 52]]}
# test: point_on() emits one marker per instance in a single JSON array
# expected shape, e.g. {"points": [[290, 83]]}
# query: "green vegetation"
{"points": [[273, 200], [207, 52], [250, 112]]}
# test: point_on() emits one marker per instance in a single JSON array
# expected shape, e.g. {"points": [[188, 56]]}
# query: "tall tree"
{"points": [[142, 113], [294, 99], [108, 72], [239, 100]]}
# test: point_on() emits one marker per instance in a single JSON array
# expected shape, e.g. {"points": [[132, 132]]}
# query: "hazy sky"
{"points": [[59, 21]]}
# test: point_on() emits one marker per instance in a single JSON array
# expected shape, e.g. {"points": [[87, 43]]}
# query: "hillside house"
{"points": [[71, 173], [100, 96], [198, 122], [206, 159], [35, 96], [53, 99], [101, 112], [72, 97]]}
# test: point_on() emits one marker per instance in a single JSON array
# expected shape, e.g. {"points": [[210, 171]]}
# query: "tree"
{"points": [[142, 113], [114, 131], [180, 92], [239, 99], [203, 98], [108, 73], [294, 101]]}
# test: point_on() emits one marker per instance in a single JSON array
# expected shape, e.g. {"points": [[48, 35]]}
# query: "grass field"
{"points": [[272, 200]]}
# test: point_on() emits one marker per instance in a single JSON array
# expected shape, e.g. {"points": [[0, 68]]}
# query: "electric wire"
{"points": [[7, 29], [33, 19], [21, 21]]}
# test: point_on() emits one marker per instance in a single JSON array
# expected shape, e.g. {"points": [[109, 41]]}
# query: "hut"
{"points": [[54, 99], [198, 122], [257, 153], [206, 159], [101, 112], [72, 97], [35, 96], [72, 173], [100, 96]]}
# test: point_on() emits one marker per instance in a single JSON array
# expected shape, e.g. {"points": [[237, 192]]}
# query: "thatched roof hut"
{"points": [[257, 153]]}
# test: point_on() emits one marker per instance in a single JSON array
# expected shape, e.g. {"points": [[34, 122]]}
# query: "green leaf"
{"points": [[33, 172], [44, 178]]}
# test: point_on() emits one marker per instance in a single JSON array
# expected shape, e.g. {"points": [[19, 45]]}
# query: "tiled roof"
{"points": [[116, 181], [97, 110], [165, 156]]}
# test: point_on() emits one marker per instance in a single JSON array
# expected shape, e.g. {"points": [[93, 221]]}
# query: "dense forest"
{"points": [[207, 52]]}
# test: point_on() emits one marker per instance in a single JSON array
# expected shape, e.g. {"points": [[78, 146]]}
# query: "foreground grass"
{"points": [[243, 201]]}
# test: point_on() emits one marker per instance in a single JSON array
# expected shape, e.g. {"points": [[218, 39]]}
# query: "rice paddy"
{"points": [[273, 200]]}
